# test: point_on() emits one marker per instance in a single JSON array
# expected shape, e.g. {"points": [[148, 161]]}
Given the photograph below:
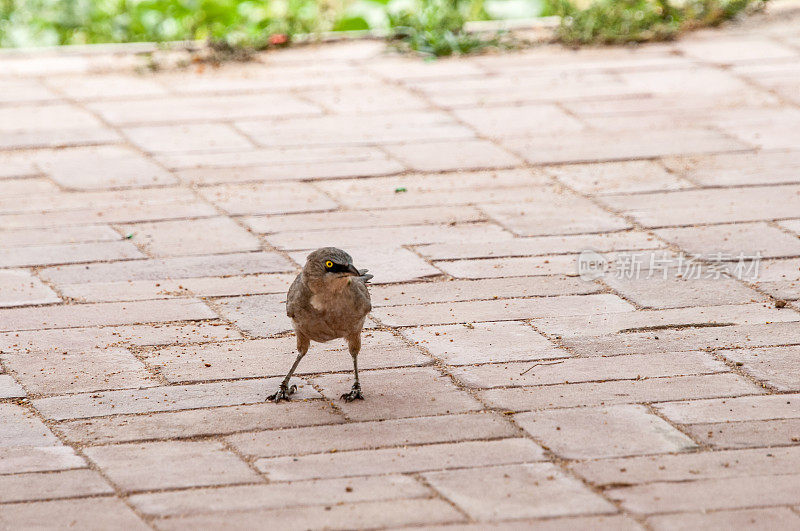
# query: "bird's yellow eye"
{"points": [[329, 264]]}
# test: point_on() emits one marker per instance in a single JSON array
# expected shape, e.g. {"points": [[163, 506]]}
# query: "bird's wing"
{"points": [[297, 297], [361, 296]]}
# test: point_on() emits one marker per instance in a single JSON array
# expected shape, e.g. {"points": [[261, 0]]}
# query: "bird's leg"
{"points": [[354, 345], [284, 391]]}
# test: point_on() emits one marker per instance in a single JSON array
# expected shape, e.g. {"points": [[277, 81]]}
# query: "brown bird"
{"points": [[328, 299]]}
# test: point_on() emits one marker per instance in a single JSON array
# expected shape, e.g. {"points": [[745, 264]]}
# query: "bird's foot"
{"points": [[354, 394], [283, 393]]}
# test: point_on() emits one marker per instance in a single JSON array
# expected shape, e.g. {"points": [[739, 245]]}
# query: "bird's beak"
{"points": [[352, 270]]}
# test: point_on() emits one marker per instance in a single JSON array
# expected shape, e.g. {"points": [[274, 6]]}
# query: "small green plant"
{"points": [[626, 21]]}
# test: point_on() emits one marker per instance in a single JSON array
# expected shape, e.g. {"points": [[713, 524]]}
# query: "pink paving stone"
{"points": [[267, 198], [613, 177], [629, 367], [191, 237], [369, 99], [645, 390], [170, 268], [731, 169], [729, 493], [518, 266], [792, 225], [24, 90], [16, 165], [408, 459], [463, 155], [755, 519], [280, 495], [18, 287], [197, 109], [60, 372], [559, 213], [335, 517], [732, 409], [88, 513], [112, 167], [165, 398], [256, 315], [22, 428], [610, 431], [372, 434], [105, 86], [33, 185], [741, 239], [738, 49], [52, 485], [9, 388], [484, 343], [35, 255], [747, 434], [273, 357], [499, 310], [110, 313], [518, 491], [464, 290], [773, 366], [187, 137], [160, 465], [198, 422], [563, 523], [398, 393], [23, 126], [165, 289], [392, 264], [360, 218], [518, 120], [22, 459]]}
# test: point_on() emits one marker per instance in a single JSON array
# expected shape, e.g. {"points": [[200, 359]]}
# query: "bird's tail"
{"points": [[364, 276]]}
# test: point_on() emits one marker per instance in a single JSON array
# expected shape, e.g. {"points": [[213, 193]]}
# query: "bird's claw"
{"points": [[354, 394], [283, 393]]}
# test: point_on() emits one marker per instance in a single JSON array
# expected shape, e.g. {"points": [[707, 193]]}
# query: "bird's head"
{"points": [[329, 263]]}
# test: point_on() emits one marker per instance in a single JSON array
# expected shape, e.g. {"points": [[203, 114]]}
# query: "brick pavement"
{"points": [[151, 223]]}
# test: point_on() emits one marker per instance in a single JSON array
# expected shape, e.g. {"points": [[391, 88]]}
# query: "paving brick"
{"points": [[541, 245], [773, 366], [58, 235], [484, 343], [618, 177], [746, 434], [35, 255], [187, 137], [490, 288], [159, 465], [52, 485], [710, 494], [366, 99], [499, 310], [462, 155], [197, 422], [170, 268], [20, 288], [791, 225], [51, 372], [9, 388], [79, 339], [33, 185], [780, 278], [731, 169], [554, 213], [279, 495], [763, 519], [166, 289], [518, 266], [610, 431], [620, 144], [565, 523], [383, 237], [51, 126], [22, 428], [370, 435], [519, 120], [645, 390], [734, 50], [362, 218], [389, 264], [629, 367], [741, 239], [400, 460], [397, 393], [519, 491], [93, 514], [341, 516], [23, 459], [106, 86], [82, 315], [732, 409], [256, 315], [709, 206], [167, 398], [112, 167], [24, 90], [273, 357], [682, 468], [267, 198], [172, 109], [213, 235]]}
